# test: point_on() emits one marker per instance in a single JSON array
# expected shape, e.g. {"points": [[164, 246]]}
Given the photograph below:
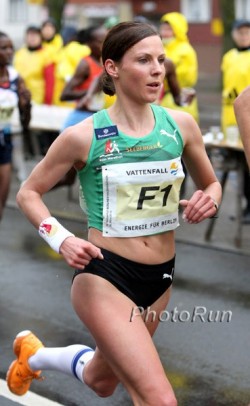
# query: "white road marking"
{"points": [[30, 399]]}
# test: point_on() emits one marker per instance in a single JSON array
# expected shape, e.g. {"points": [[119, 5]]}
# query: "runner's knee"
{"points": [[163, 400], [156, 396]]}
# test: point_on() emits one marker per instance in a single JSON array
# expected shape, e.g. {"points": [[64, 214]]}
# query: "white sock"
{"points": [[71, 360]]}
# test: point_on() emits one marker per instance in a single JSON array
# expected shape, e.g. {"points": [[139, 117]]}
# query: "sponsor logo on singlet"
{"points": [[106, 132], [139, 148], [111, 151], [173, 136]]}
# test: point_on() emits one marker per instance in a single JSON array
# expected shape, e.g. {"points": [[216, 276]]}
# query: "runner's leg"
{"points": [[126, 346], [5, 178]]}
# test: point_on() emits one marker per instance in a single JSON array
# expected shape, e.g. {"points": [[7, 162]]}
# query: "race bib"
{"points": [[141, 198], [8, 102]]}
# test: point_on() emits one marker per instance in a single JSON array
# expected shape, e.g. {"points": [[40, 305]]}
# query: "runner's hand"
{"points": [[200, 207], [78, 252]]}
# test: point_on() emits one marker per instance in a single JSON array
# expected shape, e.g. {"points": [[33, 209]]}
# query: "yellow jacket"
{"points": [[235, 69], [181, 51], [31, 65], [53, 46], [184, 57], [66, 61]]}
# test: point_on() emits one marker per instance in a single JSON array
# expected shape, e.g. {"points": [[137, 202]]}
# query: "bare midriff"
{"points": [[154, 249]]}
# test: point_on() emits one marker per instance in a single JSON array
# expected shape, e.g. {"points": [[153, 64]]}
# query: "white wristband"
{"points": [[53, 233]]}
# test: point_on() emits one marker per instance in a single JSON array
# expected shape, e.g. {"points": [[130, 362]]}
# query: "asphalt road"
{"points": [[203, 339]]}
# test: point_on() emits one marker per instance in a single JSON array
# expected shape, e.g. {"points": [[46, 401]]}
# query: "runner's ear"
{"points": [[111, 68]]}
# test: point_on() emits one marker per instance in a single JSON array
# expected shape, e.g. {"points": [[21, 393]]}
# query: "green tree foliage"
{"points": [[55, 8], [228, 16]]}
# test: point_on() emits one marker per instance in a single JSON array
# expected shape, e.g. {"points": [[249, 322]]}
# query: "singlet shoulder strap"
{"points": [[161, 113], [162, 116], [101, 119]]}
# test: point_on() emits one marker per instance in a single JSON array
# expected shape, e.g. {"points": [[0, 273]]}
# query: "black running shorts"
{"points": [[143, 284], [5, 148]]}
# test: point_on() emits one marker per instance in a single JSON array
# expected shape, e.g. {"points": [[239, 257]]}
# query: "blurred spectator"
{"points": [[235, 69], [32, 63], [86, 76], [52, 40], [66, 61], [141, 19], [13, 93], [172, 81], [87, 70], [173, 30]]}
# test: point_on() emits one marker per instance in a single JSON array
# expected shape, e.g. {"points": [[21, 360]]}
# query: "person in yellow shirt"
{"points": [[66, 61], [32, 62], [235, 69], [173, 30], [52, 40]]}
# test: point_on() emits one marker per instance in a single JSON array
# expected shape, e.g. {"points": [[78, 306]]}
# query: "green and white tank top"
{"points": [[130, 186]]}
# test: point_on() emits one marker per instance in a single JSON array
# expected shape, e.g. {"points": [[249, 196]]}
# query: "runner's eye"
{"points": [[161, 60]]}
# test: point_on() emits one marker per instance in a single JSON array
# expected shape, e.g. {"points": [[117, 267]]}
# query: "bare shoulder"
{"points": [[187, 124]]}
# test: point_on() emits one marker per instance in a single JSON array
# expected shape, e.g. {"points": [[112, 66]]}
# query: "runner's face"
{"points": [[6, 51], [141, 71]]}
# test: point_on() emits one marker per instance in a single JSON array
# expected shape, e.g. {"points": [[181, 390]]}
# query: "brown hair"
{"points": [[117, 42]]}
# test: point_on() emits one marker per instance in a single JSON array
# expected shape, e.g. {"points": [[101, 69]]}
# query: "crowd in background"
{"points": [[48, 60], [65, 69]]}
